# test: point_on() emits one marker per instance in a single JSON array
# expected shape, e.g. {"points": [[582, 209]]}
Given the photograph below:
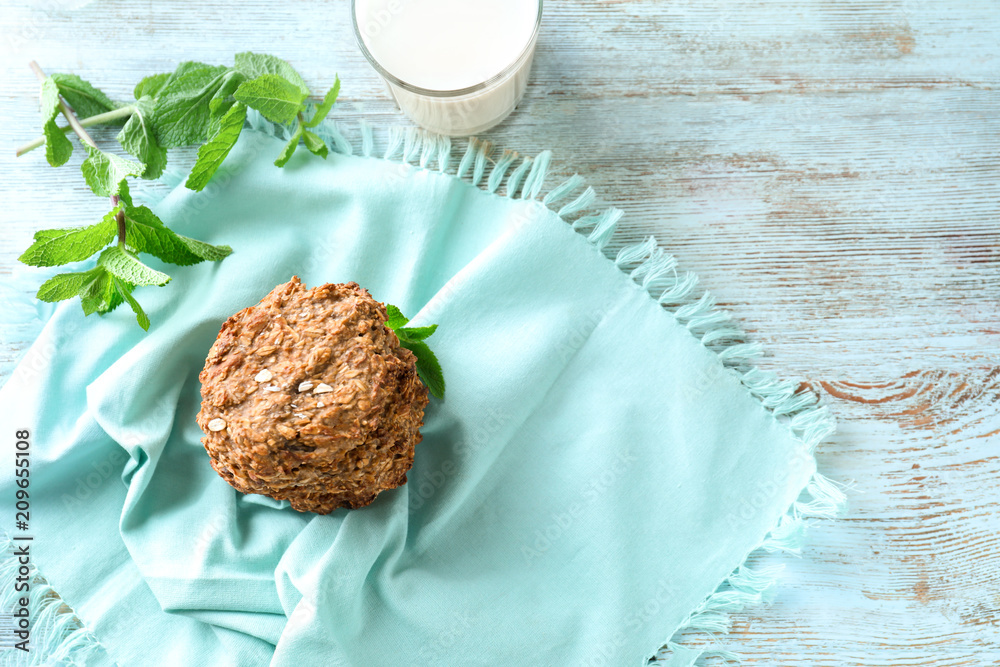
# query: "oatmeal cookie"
{"points": [[308, 397]]}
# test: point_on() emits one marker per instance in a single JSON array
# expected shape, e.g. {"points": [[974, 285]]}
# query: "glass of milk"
{"points": [[455, 67]]}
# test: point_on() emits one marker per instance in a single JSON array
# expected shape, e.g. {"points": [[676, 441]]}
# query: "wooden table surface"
{"points": [[832, 171]]}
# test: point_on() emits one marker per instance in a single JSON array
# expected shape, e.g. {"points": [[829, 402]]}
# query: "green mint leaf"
{"points": [[277, 99], [53, 247], [396, 319], [139, 139], [215, 150], [100, 295], [94, 287], [113, 298], [314, 144], [66, 285], [206, 251], [289, 149], [323, 110], [46, 234], [124, 289], [84, 98], [58, 147], [223, 100], [185, 68], [49, 99], [253, 65], [151, 85], [214, 125], [154, 84], [124, 194], [428, 367], [145, 232], [121, 263], [416, 334], [182, 107], [104, 172]]}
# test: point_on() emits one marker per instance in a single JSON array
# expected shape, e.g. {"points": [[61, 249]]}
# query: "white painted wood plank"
{"points": [[830, 169]]}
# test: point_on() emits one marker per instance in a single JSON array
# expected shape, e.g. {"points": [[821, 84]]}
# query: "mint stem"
{"points": [[99, 119], [120, 219]]}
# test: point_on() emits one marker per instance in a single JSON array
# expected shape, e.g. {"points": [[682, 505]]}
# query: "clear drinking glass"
{"points": [[464, 111]]}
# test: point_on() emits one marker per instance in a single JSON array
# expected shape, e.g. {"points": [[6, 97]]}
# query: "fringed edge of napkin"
{"points": [[649, 267], [57, 634]]}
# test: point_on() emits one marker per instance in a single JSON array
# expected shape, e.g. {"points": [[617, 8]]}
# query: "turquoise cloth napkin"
{"points": [[603, 464]]}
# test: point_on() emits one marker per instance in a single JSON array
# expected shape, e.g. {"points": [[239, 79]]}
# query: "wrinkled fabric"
{"points": [[591, 476]]}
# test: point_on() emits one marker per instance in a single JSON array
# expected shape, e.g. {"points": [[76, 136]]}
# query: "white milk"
{"points": [[432, 52]]}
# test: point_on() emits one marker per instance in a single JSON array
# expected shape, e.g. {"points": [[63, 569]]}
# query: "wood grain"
{"points": [[830, 169]]}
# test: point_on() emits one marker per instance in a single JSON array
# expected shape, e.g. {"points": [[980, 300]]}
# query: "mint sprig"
{"points": [[412, 338], [196, 104]]}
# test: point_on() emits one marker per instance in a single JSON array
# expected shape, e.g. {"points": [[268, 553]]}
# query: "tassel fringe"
{"points": [[500, 170], [514, 183], [652, 270], [57, 635], [822, 499]]}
